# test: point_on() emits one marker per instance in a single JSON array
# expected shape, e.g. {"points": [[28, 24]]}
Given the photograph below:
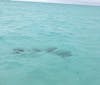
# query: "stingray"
{"points": [[36, 50], [18, 50], [63, 54], [51, 49]]}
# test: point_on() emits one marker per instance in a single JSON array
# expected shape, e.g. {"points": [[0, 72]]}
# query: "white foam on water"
{"points": [[81, 2]]}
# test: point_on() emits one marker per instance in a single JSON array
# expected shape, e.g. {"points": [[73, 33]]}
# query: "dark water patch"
{"points": [[51, 49], [77, 73], [1, 37], [63, 54]]}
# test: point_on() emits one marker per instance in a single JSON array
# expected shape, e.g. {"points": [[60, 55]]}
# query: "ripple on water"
{"points": [[9, 65]]}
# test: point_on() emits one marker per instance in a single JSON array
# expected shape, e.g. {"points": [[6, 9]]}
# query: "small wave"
{"points": [[80, 2]]}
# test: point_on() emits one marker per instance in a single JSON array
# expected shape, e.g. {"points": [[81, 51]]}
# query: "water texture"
{"points": [[49, 44]]}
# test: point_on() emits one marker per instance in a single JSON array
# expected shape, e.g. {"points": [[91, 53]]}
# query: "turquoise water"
{"points": [[49, 44]]}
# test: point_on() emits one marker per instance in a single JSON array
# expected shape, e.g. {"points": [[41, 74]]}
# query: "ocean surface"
{"points": [[49, 44]]}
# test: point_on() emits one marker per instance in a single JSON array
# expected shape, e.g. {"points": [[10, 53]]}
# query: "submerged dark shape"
{"points": [[51, 49], [18, 50], [36, 50], [63, 53]]}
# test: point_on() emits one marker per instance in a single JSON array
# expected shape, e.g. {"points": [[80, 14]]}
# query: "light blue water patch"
{"points": [[49, 44]]}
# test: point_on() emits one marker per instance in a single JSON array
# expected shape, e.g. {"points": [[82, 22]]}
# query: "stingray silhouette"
{"points": [[51, 49], [63, 53], [18, 50], [36, 50]]}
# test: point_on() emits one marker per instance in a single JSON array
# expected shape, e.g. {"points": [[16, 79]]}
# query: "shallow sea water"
{"points": [[49, 44]]}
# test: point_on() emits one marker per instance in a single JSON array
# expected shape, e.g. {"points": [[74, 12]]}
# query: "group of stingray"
{"points": [[54, 50]]}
